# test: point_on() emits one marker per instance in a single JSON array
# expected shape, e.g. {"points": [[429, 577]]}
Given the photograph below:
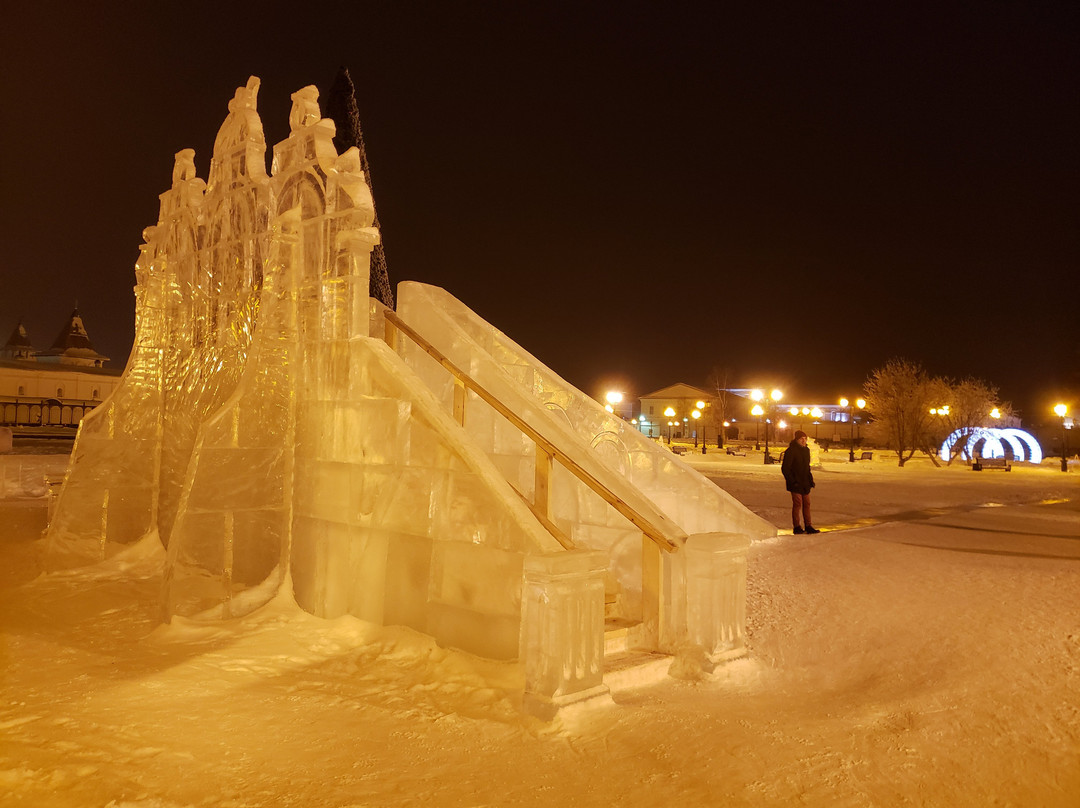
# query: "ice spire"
{"points": [[341, 107]]}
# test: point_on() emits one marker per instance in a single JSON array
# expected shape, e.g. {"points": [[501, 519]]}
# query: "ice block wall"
{"points": [[198, 280]]}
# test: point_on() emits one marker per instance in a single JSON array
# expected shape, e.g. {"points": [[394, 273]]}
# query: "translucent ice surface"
{"points": [[276, 427]]}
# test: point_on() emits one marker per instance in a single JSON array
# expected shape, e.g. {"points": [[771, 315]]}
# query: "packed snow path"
{"points": [[930, 656]]}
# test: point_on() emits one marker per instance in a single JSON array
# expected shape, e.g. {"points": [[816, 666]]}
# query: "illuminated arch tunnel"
{"points": [[990, 442]]}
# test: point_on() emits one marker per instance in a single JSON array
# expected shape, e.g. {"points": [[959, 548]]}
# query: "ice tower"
{"points": [[277, 427]]}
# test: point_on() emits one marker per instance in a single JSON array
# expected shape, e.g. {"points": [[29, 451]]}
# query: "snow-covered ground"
{"points": [[924, 650]]}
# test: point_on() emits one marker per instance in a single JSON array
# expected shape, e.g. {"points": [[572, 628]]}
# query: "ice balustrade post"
{"points": [[461, 395], [716, 594], [542, 482], [390, 335], [652, 593], [562, 626]]}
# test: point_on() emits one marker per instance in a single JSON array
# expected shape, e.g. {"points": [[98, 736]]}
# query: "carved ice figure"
{"points": [[268, 437]]}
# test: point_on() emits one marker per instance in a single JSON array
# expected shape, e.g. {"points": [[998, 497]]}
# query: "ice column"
{"points": [[716, 593], [563, 629]]}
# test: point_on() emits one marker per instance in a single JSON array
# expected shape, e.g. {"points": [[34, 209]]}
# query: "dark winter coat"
{"points": [[796, 468]]}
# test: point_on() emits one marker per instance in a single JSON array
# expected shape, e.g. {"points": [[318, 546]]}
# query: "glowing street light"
{"points": [[696, 415], [613, 398], [757, 410], [1061, 410], [816, 413], [762, 409], [861, 403], [670, 413]]}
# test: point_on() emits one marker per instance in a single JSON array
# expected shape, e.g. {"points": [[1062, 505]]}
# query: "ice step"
{"points": [[630, 669], [618, 636]]}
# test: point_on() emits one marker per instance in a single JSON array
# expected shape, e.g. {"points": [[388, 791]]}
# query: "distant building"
{"points": [[667, 412], [54, 387], [735, 417]]}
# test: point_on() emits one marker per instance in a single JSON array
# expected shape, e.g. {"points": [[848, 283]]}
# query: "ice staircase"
{"points": [[602, 494]]}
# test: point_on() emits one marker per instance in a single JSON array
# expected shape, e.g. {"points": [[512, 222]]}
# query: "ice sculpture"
{"points": [[277, 427]]}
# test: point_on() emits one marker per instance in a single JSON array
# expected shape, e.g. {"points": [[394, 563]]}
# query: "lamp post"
{"points": [[669, 413], [696, 415], [758, 410], [763, 408], [851, 410], [1060, 410], [614, 399], [775, 395], [817, 413], [943, 413]]}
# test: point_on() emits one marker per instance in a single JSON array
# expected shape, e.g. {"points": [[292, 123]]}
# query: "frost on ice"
{"points": [[277, 427]]}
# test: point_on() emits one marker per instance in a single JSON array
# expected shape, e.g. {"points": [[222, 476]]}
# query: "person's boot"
{"points": [[811, 530], [798, 530]]}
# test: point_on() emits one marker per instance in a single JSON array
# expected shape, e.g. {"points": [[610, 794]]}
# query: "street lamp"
{"points": [[762, 409], [1060, 410], [758, 410], [775, 395], [861, 403], [696, 415], [614, 398], [943, 413], [816, 413], [670, 413]]}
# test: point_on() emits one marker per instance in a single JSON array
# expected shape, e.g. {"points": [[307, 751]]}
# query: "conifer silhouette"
{"points": [[341, 107]]}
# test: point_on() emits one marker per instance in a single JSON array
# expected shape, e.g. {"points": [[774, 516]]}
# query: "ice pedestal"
{"points": [[716, 594], [562, 630]]}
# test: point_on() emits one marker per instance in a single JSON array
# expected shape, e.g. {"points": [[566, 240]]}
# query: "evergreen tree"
{"points": [[341, 107]]}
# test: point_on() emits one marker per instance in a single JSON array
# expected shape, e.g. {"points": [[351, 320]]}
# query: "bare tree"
{"points": [[900, 395], [964, 406], [718, 383]]}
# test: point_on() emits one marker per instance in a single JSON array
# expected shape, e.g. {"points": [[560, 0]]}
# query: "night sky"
{"points": [[635, 192]]}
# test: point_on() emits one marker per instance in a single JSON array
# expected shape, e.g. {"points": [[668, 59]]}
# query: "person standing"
{"points": [[799, 480]]}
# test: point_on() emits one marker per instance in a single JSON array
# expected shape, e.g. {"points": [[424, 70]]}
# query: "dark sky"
{"points": [[636, 192]]}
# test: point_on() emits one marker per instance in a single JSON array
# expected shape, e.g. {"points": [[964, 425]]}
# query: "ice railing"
{"points": [[648, 586], [690, 500]]}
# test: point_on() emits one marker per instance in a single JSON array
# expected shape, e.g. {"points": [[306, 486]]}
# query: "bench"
{"points": [[980, 463], [678, 449], [732, 451], [867, 456]]}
